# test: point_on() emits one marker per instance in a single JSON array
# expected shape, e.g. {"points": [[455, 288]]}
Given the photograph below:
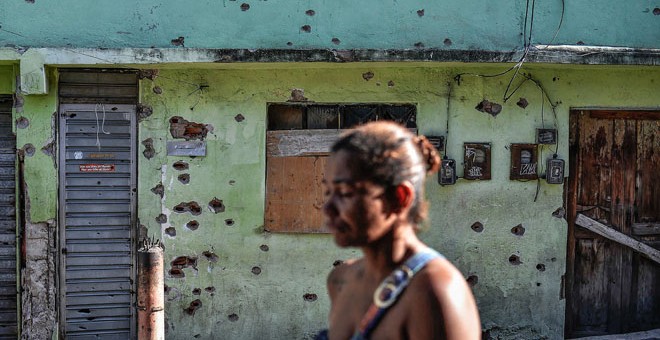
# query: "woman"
{"points": [[374, 200]]}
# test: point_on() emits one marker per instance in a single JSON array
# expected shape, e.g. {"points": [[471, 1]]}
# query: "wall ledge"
{"points": [[33, 60]]}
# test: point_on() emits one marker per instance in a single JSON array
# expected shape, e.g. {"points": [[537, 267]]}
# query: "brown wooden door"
{"points": [[615, 159]]}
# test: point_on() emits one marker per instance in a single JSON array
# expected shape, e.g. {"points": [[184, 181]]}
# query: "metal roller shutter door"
{"points": [[97, 202], [8, 310]]}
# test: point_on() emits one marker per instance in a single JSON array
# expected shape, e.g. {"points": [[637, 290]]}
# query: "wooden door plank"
{"points": [[609, 233], [594, 157], [622, 199], [648, 192], [571, 188]]}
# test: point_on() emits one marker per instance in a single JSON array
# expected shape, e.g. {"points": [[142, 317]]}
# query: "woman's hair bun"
{"points": [[430, 154]]}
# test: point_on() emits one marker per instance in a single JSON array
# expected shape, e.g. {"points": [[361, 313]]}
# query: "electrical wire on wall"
{"points": [[510, 90]]}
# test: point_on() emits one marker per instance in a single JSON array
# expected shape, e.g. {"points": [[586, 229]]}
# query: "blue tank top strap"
{"points": [[389, 290]]}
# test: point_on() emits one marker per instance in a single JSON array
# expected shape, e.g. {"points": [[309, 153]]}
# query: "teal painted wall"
{"points": [[515, 301], [275, 24]]}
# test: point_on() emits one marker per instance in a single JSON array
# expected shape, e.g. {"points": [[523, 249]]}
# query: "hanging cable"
{"points": [[561, 20], [448, 113], [102, 127]]}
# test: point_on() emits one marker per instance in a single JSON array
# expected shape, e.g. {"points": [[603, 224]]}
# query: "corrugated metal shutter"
{"points": [[8, 312], [97, 205]]}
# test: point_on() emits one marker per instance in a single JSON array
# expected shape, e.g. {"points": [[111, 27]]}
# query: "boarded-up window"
{"points": [[298, 141]]}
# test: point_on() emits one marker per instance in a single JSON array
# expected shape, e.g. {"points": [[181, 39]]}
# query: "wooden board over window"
{"points": [[297, 148], [295, 165], [295, 194]]}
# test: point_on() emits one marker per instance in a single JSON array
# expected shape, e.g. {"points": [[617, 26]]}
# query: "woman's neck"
{"points": [[390, 251]]}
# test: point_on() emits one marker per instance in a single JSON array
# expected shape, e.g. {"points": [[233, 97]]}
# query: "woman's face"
{"points": [[356, 209]]}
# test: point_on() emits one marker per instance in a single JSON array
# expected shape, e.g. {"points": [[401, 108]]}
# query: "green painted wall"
{"points": [[7, 79], [274, 24], [40, 173], [515, 300]]}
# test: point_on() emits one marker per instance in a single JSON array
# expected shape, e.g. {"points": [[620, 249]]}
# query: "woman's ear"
{"points": [[404, 194]]}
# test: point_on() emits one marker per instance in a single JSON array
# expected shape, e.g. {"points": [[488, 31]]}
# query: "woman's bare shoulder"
{"points": [[448, 288], [342, 274]]}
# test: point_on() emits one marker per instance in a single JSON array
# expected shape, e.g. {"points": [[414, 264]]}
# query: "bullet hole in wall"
{"points": [[184, 262], [447, 42], [336, 41], [192, 207], [28, 149], [178, 41], [239, 118], [210, 256], [229, 222], [245, 7], [184, 178], [159, 190], [22, 123], [264, 247], [540, 267], [256, 270], [555, 78], [288, 43], [477, 227], [554, 259], [310, 12], [559, 213], [538, 284], [161, 218], [297, 95], [29, 1], [522, 102], [194, 306], [367, 75], [143, 111], [489, 107], [420, 12], [158, 90], [177, 273], [167, 289], [170, 231], [337, 262], [197, 291], [518, 230], [472, 280], [180, 165], [232, 182], [209, 289], [232, 317], [514, 260], [192, 225], [419, 44], [149, 151], [309, 297], [49, 149], [390, 83], [197, 336], [580, 42], [656, 11], [181, 128], [306, 28], [150, 74], [216, 205]]}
